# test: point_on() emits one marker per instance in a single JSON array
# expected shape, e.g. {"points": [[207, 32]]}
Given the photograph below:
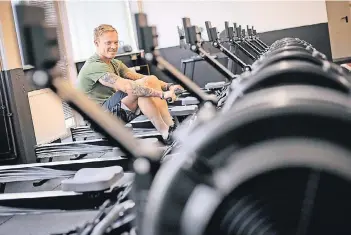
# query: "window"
{"points": [[84, 16]]}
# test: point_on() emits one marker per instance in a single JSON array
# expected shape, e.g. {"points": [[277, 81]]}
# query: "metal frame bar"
{"points": [[73, 165], [58, 199]]}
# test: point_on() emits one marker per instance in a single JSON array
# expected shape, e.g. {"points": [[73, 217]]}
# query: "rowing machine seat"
{"points": [[93, 179], [189, 101], [183, 110]]}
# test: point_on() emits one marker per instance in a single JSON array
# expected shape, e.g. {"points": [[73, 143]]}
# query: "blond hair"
{"points": [[98, 31]]}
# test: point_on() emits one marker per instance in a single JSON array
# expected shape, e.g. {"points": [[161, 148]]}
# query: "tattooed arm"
{"points": [[125, 72], [128, 86], [135, 76]]}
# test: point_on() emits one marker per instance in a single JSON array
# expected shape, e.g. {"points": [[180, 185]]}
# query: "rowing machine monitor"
{"points": [[249, 32], [186, 25], [211, 32], [208, 29], [229, 31], [182, 42], [192, 33], [236, 32]]}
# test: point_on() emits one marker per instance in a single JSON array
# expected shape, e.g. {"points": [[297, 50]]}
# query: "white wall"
{"points": [[84, 16], [264, 15], [47, 116]]}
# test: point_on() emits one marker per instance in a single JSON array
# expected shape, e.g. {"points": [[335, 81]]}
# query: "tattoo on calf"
{"points": [[141, 91]]}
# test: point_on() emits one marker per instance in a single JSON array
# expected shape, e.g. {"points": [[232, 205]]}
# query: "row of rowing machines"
{"points": [[142, 127], [266, 162], [185, 106]]}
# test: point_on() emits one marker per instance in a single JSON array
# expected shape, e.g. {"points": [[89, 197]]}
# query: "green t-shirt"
{"points": [[93, 69]]}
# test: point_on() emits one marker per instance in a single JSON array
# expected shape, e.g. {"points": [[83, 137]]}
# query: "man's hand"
{"points": [[128, 86], [176, 87], [169, 96]]}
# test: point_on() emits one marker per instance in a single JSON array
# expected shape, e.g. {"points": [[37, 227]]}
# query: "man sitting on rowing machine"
{"points": [[122, 91]]}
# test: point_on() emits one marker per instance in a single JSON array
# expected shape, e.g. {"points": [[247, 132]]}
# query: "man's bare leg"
{"points": [[149, 109], [153, 82]]}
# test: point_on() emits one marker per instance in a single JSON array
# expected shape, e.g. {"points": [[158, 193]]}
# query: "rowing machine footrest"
{"points": [[93, 179], [185, 101], [215, 85], [141, 122], [189, 101], [177, 102], [183, 110]]}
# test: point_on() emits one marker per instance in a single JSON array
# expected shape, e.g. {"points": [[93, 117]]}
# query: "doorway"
{"points": [[339, 24]]}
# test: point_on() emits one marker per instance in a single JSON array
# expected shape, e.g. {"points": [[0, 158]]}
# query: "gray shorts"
{"points": [[117, 108]]}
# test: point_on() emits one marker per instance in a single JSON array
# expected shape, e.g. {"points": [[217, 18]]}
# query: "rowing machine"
{"points": [[213, 37]]}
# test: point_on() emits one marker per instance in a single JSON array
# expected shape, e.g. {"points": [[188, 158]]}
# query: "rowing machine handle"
{"points": [[178, 91]]}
